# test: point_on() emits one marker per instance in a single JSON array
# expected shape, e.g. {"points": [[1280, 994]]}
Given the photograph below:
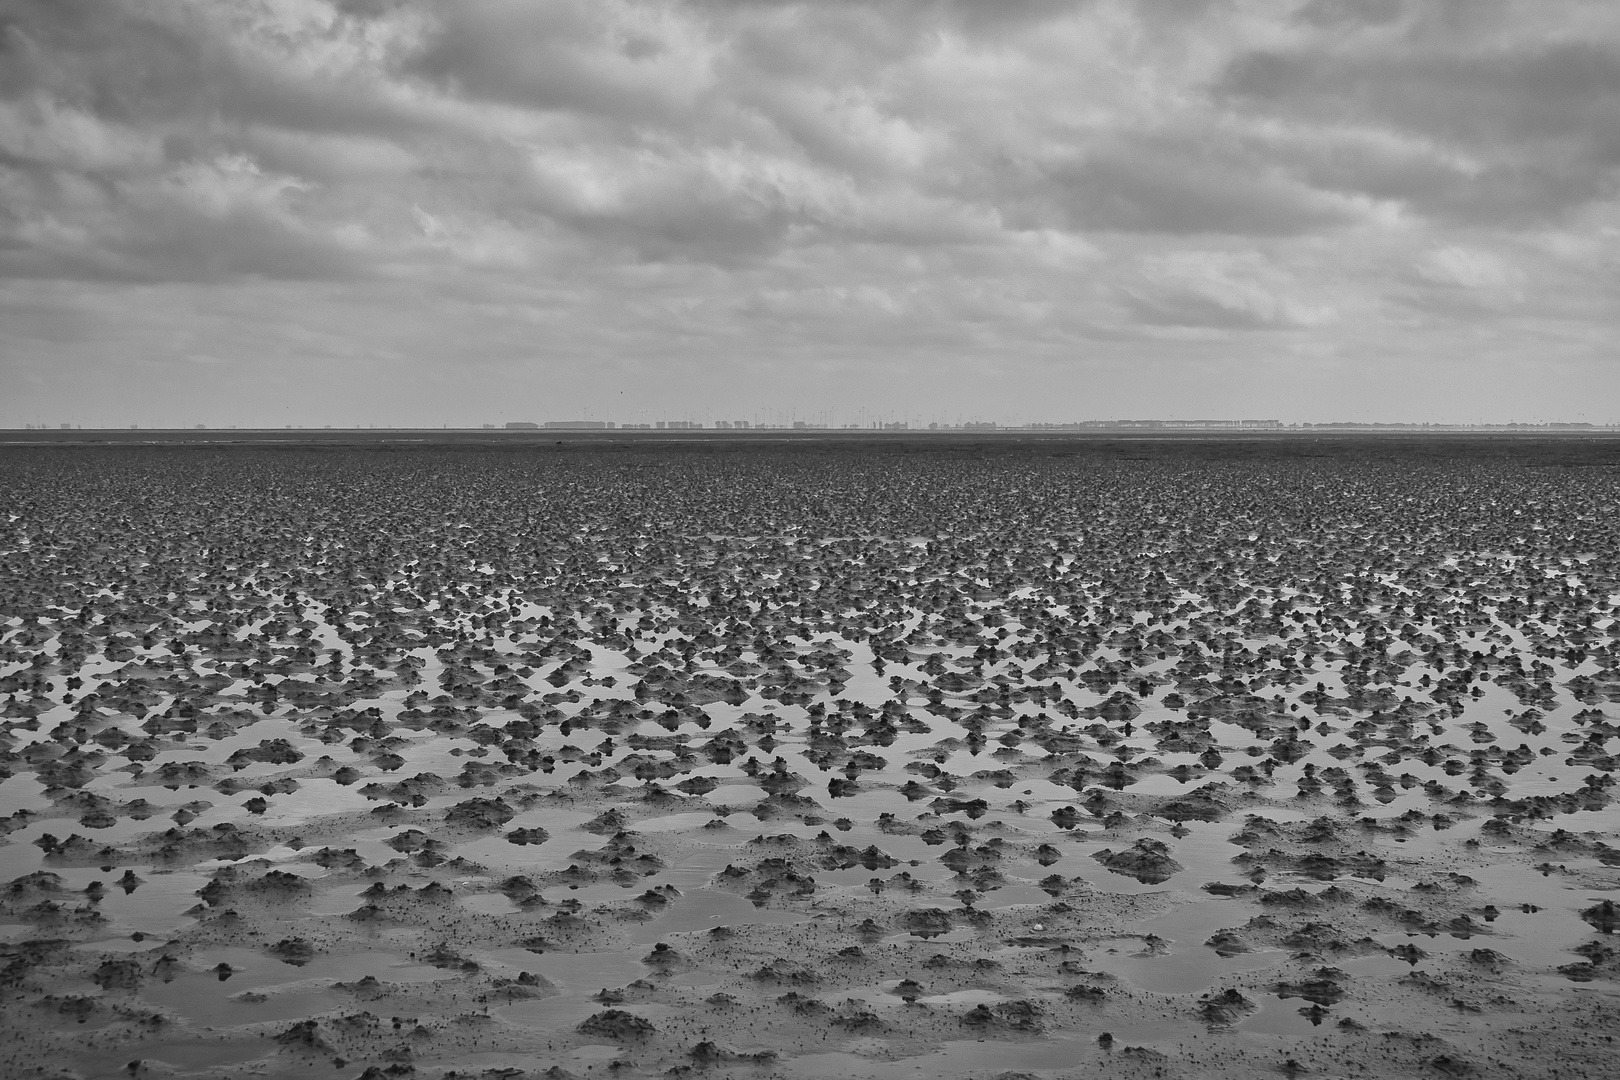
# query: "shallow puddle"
{"points": [[185, 1056], [488, 903], [336, 900], [1180, 962], [579, 974], [1281, 1016], [202, 999], [705, 909], [675, 822]]}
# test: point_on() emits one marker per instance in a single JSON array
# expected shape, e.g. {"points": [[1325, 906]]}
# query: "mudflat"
{"points": [[907, 758]]}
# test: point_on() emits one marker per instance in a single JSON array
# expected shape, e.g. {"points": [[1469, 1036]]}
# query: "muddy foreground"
{"points": [[992, 760]]}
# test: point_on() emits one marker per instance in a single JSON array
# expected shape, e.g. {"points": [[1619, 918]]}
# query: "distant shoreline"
{"points": [[764, 436]]}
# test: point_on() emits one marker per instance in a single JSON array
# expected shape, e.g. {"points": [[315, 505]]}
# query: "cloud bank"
{"points": [[1020, 209]]}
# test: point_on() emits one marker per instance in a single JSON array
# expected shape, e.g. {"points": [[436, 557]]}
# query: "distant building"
{"points": [[522, 425], [1189, 425], [680, 425], [579, 425], [1223, 425]]}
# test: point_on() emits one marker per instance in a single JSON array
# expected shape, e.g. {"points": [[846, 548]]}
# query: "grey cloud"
{"points": [[1218, 290], [113, 117], [174, 246], [981, 19], [980, 14], [990, 15], [1552, 91], [1176, 184], [634, 79], [167, 64], [209, 219], [1518, 136], [1194, 310], [759, 137], [562, 56], [688, 227], [369, 9], [577, 55], [1351, 12], [100, 57]]}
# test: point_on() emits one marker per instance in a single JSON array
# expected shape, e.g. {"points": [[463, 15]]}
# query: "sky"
{"points": [[423, 212]]}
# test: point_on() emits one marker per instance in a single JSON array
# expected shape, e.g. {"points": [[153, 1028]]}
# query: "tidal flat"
{"points": [[996, 758]]}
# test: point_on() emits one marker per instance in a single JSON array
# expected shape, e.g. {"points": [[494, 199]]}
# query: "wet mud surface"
{"points": [[992, 760]]}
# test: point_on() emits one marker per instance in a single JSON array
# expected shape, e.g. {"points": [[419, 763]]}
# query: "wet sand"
{"points": [[913, 759]]}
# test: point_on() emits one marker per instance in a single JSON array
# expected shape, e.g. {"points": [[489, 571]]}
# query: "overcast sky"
{"points": [[413, 212]]}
